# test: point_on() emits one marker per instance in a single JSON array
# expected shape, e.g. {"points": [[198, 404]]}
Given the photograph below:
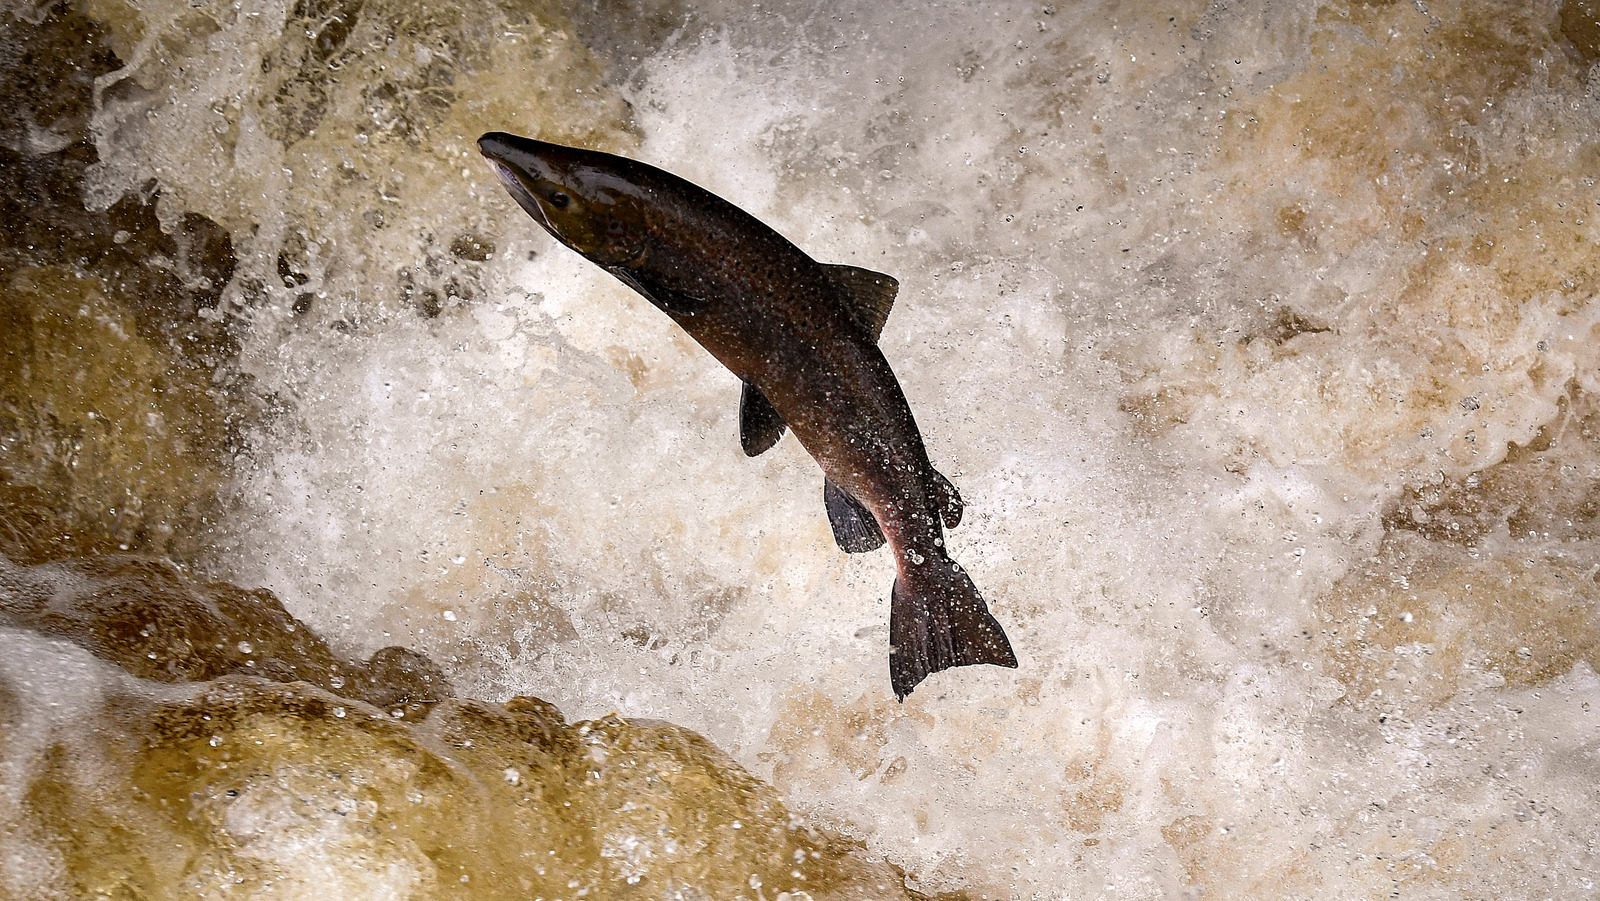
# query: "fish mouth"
{"points": [[519, 192], [495, 148]]}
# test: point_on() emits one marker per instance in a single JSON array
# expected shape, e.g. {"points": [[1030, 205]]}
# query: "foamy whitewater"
{"points": [[1260, 339]]}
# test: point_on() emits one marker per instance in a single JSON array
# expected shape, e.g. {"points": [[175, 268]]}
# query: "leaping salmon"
{"points": [[803, 338]]}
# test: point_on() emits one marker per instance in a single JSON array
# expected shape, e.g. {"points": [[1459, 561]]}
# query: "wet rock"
{"points": [[265, 764]]}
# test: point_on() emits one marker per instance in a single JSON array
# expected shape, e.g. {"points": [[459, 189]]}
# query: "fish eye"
{"points": [[559, 199]]}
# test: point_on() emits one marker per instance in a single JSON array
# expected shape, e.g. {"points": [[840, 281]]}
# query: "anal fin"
{"points": [[854, 529], [760, 426]]}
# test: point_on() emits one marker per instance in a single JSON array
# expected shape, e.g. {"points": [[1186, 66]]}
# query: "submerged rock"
{"points": [[167, 737], [120, 409], [152, 621], [160, 737]]}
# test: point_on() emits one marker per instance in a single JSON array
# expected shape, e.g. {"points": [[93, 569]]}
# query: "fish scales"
{"points": [[802, 337]]}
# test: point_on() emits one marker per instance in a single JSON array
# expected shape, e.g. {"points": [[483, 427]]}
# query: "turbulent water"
{"points": [[1260, 338]]}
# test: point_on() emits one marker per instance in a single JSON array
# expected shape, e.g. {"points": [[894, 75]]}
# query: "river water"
{"points": [[1260, 338]]}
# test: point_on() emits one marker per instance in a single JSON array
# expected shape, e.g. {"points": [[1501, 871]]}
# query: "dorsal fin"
{"points": [[868, 295]]}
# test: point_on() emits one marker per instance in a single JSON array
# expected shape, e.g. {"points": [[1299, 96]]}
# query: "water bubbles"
{"points": [[246, 647]]}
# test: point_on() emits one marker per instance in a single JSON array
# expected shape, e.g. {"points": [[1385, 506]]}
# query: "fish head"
{"points": [[579, 196]]}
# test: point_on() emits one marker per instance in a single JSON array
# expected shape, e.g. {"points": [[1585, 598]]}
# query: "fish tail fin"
{"points": [[939, 621]]}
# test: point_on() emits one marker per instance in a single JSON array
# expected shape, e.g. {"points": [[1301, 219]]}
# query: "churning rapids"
{"points": [[358, 540]]}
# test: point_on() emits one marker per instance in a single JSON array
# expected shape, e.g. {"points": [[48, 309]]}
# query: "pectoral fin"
{"points": [[760, 426], [868, 295], [854, 529], [669, 301]]}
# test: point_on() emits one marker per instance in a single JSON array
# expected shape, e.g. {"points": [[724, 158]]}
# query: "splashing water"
{"points": [[1261, 342]]}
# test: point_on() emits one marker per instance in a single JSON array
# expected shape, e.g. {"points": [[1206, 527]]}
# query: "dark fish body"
{"points": [[802, 336]]}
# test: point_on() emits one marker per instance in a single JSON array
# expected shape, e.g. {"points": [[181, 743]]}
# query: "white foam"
{"points": [[1089, 212]]}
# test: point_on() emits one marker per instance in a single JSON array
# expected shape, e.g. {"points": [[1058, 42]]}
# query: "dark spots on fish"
{"points": [[804, 331]]}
